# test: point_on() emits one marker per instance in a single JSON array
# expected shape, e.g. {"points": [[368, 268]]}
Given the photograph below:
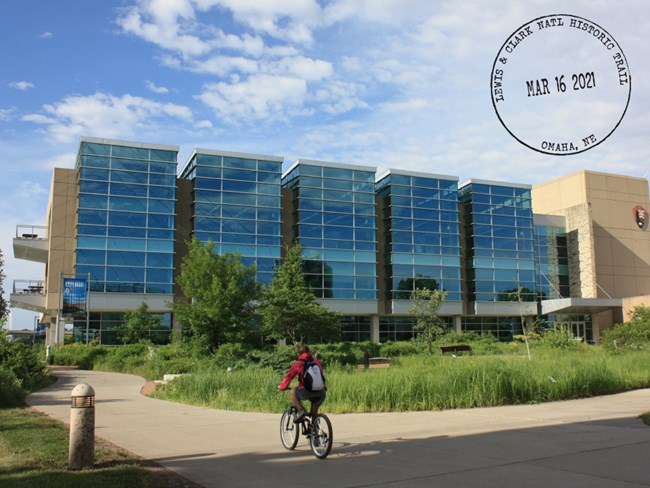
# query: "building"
{"points": [[573, 251]]}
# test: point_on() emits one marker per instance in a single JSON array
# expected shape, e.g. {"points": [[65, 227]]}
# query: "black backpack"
{"points": [[312, 376]]}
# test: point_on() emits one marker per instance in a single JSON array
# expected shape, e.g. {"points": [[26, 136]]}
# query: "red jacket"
{"points": [[297, 369]]}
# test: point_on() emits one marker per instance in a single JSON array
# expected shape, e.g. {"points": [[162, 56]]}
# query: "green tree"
{"points": [[424, 305], [4, 306], [289, 309], [220, 293], [137, 325], [632, 335]]}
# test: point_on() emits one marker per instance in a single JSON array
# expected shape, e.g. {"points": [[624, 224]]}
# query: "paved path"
{"points": [[595, 443]]}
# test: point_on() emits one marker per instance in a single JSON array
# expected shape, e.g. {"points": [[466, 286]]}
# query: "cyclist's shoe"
{"points": [[300, 416]]}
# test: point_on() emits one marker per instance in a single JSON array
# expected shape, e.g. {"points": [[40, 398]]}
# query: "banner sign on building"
{"points": [[75, 294]]}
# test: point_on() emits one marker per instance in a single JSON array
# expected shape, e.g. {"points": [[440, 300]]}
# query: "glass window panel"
{"points": [[96, 272], [307, 217], [161, 221], [270, 228], [364, 234], [160, 246], [365, 269], [93, 217], [337, 184], [318, 243], [127, 219], [163, 155], [208, 171], [366, 187], [269, 251], [402, 237], [160, 234], [367, 176], [91, 242], [162, 180], [207, 224], [160, 260], [95, 162], [129, 177], [91, 230], [309, 204], [364, 209], [365, 257], [239, 163], [266, 201], [86, 256], [238, 198], [94, 174], [128, 204], [125, 274], [238, 226], [93, 187], [207, 209], [268, 214], [125, 258], [364, 221], [310, 231], [162, 192], [93, 148], [331, 206], [269, 166], [126, 232], [125, 244], [128, 190], [420, 213], [238, 212], [169, 169], [338, 219], [93, 201], [130, 152], [161, 206], [130, 165], [207, 184], [238, 174], [207, 196], [269, 240], [340, 173], [160, 275], [264, 177]]}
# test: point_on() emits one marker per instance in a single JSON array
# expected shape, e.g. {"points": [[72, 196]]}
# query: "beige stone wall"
{"points": [[599, 210], [631, 302], [61, 222]]}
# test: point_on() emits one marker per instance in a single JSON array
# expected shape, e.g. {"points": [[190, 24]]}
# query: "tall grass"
{"points": [[428, 382]]}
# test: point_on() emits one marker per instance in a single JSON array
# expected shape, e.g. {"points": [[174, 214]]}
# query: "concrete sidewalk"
{"points": [[596, 442]]}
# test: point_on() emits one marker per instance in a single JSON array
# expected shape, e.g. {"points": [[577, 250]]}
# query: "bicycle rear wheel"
{"points": [[321, 436], [289, 431]]}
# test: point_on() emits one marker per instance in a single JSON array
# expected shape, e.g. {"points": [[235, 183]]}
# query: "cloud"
{"points": [[156, 89], [6, 114], [259, 97], [105, 114], [21, 85], [46, 35]]}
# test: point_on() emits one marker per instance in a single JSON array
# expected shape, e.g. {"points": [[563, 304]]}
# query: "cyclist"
{"points": [[299, 392]]}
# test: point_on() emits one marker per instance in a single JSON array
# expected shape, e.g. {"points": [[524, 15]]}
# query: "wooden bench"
{"points": [[377, 363], [456, 349]]}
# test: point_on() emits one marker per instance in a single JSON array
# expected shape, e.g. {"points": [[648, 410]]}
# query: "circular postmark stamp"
{"points": [[560, 84]]}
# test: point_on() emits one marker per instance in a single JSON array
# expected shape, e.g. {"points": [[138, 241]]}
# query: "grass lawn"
{"points": [[34, 453]]}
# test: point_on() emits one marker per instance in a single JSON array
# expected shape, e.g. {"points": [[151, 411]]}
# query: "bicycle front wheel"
{"points": [[321, 436], [289, 431]]}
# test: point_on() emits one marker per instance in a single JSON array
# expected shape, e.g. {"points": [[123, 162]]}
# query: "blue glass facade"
{"points": [[421, 232], [499, 242], [552, 268], [334, 222], [126, 217], [236, 203], [368, 242]]}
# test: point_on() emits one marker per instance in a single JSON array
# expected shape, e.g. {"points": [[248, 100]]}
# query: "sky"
{"points": [[405, 84]]}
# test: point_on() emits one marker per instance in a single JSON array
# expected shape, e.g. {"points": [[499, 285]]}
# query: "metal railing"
{"points": [[31, 231], [29, 287]]}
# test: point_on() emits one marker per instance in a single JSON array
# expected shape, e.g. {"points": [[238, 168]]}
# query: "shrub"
{"points": [[391, 349], [76, 355], [12, 393], [630, 336], [559, 339]]}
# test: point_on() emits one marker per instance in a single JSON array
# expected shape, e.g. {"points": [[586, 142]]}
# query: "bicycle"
{"points": [[317, 430]]}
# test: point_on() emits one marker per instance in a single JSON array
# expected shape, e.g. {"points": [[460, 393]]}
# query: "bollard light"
{"points": [[82, 427]]}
